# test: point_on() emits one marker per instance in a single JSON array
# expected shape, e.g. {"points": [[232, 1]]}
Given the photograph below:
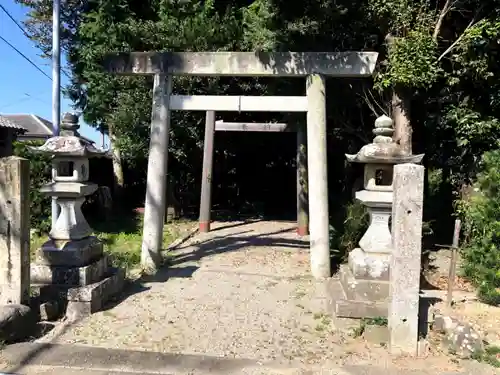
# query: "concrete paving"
{"points": [[53, 359]]}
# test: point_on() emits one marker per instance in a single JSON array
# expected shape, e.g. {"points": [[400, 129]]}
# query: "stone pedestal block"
{"points": [[361, 289], [367, 266], [71, 276], [82, 301], [70, 253], [86, 300], [342, 307], [360, 297]]}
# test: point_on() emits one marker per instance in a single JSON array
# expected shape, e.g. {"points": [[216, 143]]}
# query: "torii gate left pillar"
{"points": [[313, 65]]}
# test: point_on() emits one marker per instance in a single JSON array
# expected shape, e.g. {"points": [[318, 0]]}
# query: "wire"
{"points": [[25, 57], [25, 32], [15, 21], [23, 99]]}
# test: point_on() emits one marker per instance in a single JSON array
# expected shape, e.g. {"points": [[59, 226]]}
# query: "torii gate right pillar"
{"points": [[317, 176]]}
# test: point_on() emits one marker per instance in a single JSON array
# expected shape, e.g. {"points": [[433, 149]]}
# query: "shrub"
{"points": [[40, 174], [345, 237], [481, 216]]}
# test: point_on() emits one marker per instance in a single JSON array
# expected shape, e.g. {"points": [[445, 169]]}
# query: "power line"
{"points": [[15, 21], [25, 57], [24, 99], [20, 27]]}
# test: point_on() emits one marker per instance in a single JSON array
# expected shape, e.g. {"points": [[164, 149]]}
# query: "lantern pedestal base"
{"points": [[82, 301], [77, 275], [362, 287]]}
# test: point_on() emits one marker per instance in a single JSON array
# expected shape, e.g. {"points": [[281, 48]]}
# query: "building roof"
{"points": [[35, 126], [6, 123]]}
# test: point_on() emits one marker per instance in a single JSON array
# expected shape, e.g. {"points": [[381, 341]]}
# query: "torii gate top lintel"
{"points": [[251, 64]]}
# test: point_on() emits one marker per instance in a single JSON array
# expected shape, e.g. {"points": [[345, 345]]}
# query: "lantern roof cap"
{"points": [[383, 149], [69, 142]]}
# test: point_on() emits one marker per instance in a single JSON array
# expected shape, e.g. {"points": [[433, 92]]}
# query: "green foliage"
{"points": [[490, 355], [40, 174], [476, 53], [258, 26], [376, 321], [481, 214], [400, 16], [412, 62], [350, 231]]}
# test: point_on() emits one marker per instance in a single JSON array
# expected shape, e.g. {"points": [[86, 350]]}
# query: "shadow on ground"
{"points": [[235, 242]]}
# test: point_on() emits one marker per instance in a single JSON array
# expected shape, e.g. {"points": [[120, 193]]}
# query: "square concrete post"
{"points": [[404, 285], [206, 181], [156, 186], [317, 176], [14, 231], [302, 204]]}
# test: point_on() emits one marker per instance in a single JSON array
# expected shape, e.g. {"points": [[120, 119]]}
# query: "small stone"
{"points": [[464, 341], [17, 322]]}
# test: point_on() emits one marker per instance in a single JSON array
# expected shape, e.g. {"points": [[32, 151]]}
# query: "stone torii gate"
{"points": [[212, 126], [315, 66]]}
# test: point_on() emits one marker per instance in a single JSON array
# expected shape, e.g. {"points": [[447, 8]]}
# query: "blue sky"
{"points": [[24, 89]]}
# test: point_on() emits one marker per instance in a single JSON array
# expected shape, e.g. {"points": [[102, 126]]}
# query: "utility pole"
{"points": [[56, 84]]}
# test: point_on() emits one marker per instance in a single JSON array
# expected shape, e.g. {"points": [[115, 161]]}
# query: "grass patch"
{"points": [[376, 321], [323, 321], [122, 238], [490, 355]]}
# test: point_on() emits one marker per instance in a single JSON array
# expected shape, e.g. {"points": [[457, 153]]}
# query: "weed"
{"points": [[490, 356], [358, 331], [376, 321], [319, 327]]}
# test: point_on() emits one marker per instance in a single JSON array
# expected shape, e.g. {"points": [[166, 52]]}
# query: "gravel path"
{"points": [[243, 290]]}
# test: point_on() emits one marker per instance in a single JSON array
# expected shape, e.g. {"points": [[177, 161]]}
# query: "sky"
{"points": [[23, 88]]}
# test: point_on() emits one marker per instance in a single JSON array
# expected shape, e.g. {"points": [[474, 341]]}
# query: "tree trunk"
{"points": [[118, 180], [401, 115]]}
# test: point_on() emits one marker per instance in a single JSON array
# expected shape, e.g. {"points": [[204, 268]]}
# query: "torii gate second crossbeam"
{"points": [[212, 126]]}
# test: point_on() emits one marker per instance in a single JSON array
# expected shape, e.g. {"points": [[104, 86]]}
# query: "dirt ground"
{"points": [[484, 318], [243, 290]]}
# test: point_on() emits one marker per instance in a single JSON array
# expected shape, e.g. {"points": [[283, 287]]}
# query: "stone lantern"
{"points": [[365, 279], [72, 262]]}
